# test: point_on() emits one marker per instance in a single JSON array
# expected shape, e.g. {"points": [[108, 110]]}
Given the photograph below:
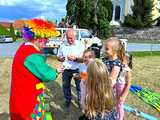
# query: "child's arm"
{"points": [[83, 93], [128, 84], [114, 74]]}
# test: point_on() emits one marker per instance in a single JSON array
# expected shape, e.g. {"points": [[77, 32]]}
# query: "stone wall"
{"points": [[143, 34]]}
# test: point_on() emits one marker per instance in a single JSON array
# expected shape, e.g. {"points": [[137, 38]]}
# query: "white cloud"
{"points": [[11, 2], [48, 8]]}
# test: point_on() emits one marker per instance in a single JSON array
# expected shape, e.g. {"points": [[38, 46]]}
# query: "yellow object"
{"points": [[40, 86], [37, 118], [39, 109], [42, 112]]}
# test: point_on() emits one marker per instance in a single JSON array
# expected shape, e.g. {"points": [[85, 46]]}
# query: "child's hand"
{"points": [[60, 68], [121, 99]]}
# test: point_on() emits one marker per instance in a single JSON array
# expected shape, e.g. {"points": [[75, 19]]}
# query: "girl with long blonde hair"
{"points": [[99, 102]]}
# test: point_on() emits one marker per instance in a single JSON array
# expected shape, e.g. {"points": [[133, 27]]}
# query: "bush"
{"points": [[4, 31], [12, 32], [105, 30], [131, 22], [18, 34]]}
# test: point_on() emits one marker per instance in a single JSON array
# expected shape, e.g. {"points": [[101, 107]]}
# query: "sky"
{"points": [[11, 10]]}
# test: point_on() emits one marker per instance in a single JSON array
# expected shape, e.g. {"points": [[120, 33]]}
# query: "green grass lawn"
{"points": [[146, 71], [144, 41], [145, 54]]}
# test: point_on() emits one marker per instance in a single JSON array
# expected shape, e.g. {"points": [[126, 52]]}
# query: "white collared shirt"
{"points": [[66, 49]]}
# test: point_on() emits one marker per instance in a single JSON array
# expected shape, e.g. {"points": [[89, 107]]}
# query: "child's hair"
{"points": [[91, 51], [99, 97], [118, 47], [130, 61]]}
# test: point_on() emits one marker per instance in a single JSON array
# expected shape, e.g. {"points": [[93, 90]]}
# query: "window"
{"points": [[85, 34], [77, 34], [118, 12]]}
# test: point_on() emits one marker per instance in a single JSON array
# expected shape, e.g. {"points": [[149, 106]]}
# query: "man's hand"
{"points": [[76, 76], [72, 57], [61, 59]]}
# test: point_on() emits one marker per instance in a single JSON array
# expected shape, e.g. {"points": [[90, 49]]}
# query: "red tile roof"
{"points": [[19, 24]]}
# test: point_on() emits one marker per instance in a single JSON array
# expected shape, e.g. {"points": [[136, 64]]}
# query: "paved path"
{"points": [[9, 49]]}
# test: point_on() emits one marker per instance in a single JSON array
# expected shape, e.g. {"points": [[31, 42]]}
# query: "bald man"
{"points": [[70, 54]]}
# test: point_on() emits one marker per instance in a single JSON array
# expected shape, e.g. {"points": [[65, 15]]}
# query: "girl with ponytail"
{"points": [[120, 73]]}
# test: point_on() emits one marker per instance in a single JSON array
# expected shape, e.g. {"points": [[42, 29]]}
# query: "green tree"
{"points": [[4, 31], [83, 13], [104, 16], [91, 14], [142, 14], [12, 32], [69, 7]]}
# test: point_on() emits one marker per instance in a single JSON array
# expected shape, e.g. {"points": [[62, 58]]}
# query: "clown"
{"points": [[29, 71]]}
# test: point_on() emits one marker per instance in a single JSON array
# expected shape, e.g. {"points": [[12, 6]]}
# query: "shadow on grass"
{"points": [[57, 103], [4, 116]]}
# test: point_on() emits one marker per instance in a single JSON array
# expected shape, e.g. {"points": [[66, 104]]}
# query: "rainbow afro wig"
{"points": [[38, 28]]}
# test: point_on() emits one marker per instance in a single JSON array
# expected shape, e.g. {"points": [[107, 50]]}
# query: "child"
{"points": [[119, 72], [122, 87], [87, 56], [99, 102], [82, 75]]}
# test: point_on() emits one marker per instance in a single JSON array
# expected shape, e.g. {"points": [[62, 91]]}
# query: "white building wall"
{"points": [[125, 6]]}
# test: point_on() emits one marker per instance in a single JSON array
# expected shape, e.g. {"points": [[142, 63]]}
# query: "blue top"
{"points": [[111, 63]]}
